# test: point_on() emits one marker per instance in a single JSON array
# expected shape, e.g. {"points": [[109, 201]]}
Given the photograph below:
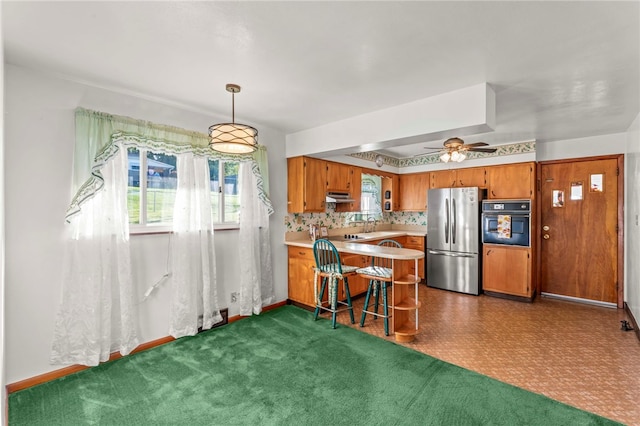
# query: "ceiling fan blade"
{"points": [[476, 144], [483, 149]]}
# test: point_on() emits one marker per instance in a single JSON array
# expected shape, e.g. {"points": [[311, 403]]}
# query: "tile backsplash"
{"points": [[297, 222]]}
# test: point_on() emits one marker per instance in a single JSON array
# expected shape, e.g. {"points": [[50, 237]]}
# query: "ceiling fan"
{"points": [[455, 148]]}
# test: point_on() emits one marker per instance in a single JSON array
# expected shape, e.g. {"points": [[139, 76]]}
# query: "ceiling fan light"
{"points": [[455, 156], [445, 157], [461, 156]]}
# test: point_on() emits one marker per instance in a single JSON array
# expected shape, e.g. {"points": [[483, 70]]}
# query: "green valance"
{"points": [[100, 135]]}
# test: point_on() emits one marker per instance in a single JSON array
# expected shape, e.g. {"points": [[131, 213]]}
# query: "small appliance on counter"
{"points": [[453, 243]]}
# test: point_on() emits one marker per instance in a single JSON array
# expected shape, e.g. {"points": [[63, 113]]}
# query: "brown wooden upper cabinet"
{"points": [[472, 176], [306, 185], [467, 177], [443, 179], [511, 181], [355, 191], [390, 193], [413, 191], [339, 177]]}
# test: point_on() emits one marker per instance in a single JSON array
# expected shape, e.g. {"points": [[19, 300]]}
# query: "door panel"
{"points": [[452, 271], [465, 220], [579, 245], [438, 223]]}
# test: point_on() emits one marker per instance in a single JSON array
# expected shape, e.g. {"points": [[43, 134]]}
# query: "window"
{"points": [[151, 195], [225, 198], [370, 203]]}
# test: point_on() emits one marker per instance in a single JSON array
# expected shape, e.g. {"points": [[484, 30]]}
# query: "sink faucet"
{"points": [[370, 225]]}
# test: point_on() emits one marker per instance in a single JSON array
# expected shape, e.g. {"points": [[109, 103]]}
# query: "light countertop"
{"points": [[355, 246]]}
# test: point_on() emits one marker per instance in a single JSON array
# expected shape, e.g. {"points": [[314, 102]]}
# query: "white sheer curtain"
{"points": [[98, 314], [193, 268], [256, 276]]}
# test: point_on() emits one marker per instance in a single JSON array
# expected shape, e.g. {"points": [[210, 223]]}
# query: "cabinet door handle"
{"points": [[301, 253]]}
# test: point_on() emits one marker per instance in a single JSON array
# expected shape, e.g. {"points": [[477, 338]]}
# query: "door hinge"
{"points": [[617, 228], [617, 171]]}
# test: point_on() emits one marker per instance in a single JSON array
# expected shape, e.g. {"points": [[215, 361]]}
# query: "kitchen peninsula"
{"points": [[404, 298]]}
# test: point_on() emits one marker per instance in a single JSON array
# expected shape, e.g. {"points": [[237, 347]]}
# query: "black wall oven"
{"points": [[506, 222]]}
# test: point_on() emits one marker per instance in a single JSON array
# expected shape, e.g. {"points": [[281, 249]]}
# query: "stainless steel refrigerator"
{"points": [[453, 239]]}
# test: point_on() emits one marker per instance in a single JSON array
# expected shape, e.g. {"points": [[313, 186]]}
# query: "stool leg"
{"points": [[334, 312], [366, 304], [348, 293], [377, 300], [386, 308], [323, 280]]}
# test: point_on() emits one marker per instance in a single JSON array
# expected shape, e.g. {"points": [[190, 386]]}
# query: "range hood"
{"points": [[339, 197]]}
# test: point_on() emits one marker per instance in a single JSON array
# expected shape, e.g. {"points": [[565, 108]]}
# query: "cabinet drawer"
{"points": [[413, 241], [301, 253]]}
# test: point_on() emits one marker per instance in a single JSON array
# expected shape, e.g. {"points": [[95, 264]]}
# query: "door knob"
{"points": [[545, 228], [546, 236]]}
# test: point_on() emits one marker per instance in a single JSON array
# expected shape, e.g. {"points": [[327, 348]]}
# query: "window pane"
{"points": [[133, 189], [214, 182], [231, 194], [370, 201], [161, 187]]}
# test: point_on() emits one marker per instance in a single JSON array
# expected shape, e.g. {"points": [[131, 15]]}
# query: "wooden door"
{"points": [[579, 207]]}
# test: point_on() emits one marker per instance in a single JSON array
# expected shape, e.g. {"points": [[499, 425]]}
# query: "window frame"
{"points": [[143, 227]]}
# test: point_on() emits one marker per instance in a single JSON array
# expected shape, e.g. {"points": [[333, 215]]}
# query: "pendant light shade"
{"points": [[233, 138]]}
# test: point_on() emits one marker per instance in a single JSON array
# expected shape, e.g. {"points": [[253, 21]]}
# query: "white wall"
{"points": [[39, 143], [632, 218], [3, 382], [582, 147]]}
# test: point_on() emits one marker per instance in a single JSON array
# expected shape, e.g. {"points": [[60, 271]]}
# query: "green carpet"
{"points": [[283, 368]]}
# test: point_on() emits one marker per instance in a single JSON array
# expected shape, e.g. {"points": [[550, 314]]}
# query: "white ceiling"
{"points": [[560, 70]]}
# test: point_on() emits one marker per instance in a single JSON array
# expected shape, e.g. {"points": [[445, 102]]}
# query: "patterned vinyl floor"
{"points": [[571, 352]]}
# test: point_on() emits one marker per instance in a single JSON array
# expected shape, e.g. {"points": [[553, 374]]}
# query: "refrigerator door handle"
{"points": [[446, 222], [454, 225], [450, 254]]}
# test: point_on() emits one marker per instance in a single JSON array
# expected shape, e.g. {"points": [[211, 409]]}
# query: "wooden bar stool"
{"points": [[329, 270], [380, 275]]}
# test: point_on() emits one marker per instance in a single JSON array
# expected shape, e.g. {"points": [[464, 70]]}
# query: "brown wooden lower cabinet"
{"points": [[357, 284], [416, 243], [301, 264], [506, 270]]}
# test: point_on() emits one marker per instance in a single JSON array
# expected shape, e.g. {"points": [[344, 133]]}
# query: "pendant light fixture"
{"points": [[233, 138]]}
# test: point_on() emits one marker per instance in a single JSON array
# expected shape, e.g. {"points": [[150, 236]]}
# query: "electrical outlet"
{"points": [[234, 297]]}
